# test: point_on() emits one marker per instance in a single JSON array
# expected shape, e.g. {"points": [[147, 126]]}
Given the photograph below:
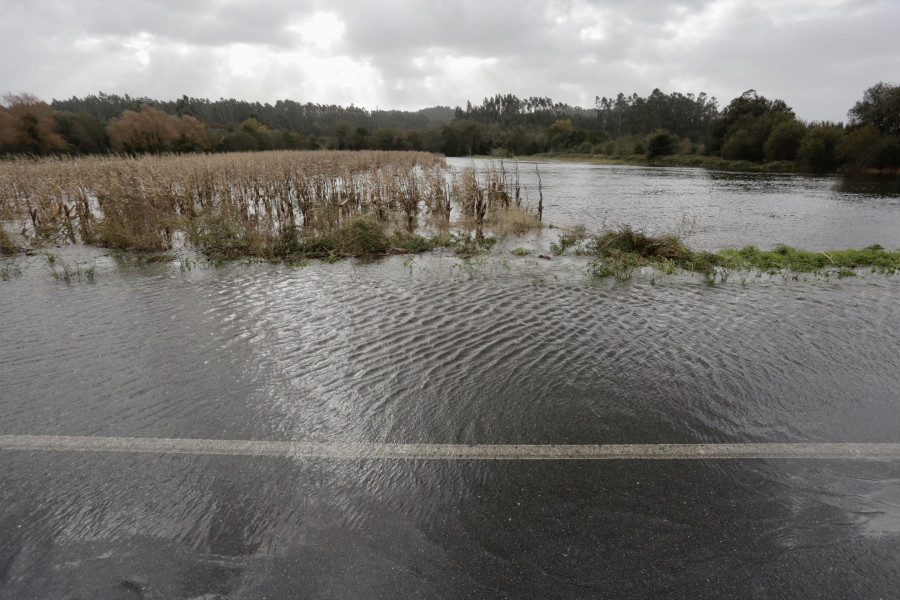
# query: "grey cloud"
{"points": [[818, 66], [820, 63], [473, 28], [199, 22]]}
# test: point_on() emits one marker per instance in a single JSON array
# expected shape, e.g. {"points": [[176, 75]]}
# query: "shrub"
{"points": [[661, 143], [817, 151], [739, 146], [784, 141]]}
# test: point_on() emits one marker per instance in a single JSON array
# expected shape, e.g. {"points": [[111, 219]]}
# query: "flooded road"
{"points": [[437, 351], [499, 427]]}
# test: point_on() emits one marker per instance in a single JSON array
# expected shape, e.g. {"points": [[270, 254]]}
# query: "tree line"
{"points": [[750, 128], [756, 129], [502, 124]]}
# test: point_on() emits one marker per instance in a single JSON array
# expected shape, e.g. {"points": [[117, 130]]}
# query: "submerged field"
{"points": [[298, 205], [271, 205]]}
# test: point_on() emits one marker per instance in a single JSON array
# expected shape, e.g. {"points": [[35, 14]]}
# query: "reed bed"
{"points": [[493, 202], [269, 205]]}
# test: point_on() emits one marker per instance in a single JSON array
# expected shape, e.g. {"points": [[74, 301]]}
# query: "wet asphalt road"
{"points": [[102, 525], [338, 354]]}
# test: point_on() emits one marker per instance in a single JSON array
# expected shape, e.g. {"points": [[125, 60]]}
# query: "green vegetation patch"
{"points": [[467, 246], [786, 258], [572, 237], [618, 253], [218, 237]]}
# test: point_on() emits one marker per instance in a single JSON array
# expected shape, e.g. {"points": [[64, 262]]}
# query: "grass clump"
{"points": [[7, 246], [627, 240], [618, 253], [571, 237], [466, 246], [514, 220]]}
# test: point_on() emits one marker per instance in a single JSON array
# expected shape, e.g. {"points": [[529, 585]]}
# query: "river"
{"points": [[713, 209]]}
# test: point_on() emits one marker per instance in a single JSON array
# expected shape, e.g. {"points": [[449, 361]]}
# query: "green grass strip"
{"points": [[618, 253]]}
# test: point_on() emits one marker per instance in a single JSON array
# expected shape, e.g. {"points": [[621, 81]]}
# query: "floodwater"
{"points": [[714, 209], [436, 350]]}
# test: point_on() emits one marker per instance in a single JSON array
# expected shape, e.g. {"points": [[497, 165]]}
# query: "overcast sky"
{"points": [[817, 55]]}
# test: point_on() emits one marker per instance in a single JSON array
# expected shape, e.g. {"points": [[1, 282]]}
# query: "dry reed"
{"points": [[493, 202], [230, 204], [269, 204]]}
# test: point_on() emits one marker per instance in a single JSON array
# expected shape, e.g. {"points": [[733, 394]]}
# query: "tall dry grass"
{"points": [[253, 199], [493, 201], [259, 204]]}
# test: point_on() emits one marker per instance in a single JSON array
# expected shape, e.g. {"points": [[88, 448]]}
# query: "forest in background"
{"points": [[751, 128]]}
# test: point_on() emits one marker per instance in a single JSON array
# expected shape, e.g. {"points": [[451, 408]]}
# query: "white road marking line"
{"points": [[351, 451]]}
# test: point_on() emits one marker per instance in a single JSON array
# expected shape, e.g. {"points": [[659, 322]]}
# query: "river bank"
{"points": [[713, 163]]}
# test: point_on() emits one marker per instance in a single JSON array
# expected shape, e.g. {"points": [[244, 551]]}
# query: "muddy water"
{"points": [[429, 350]]}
